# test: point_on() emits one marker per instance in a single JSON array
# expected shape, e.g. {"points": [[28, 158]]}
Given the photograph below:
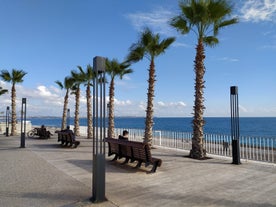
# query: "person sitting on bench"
{"points": [[44, 133], [73, 135], [125, 135]]}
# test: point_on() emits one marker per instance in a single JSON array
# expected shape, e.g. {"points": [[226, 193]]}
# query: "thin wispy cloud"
{"points": [[171, 104], [228, 59], [243, 109], [270, 46], [157, 19], [258, 10], [272, 36], [180, 44]]}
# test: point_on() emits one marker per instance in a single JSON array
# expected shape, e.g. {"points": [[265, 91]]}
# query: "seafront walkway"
{"points": [[45, 174]]}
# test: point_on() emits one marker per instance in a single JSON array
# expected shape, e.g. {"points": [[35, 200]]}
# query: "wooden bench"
{"points": [[41, 133], [67, 138], [133, 151]]}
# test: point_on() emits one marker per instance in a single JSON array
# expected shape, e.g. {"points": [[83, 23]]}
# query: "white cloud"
{"points": [[43, 91], [181, 103], [160, 103], [122, 103], [228, 59], [157, 20], [180, 44], [50, 103], [178, 109], [243, 109], [40, 101], [259, 10], [171, 104], [142, 106], [272, 46]]}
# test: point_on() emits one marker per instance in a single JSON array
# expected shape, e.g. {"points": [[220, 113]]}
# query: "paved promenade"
{"points": [[44, 174]]}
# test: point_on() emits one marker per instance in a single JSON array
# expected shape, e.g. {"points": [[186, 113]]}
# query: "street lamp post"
{"points": [[235, 127], [68, 118], [7, 120], [23, 122], [99, 105]]}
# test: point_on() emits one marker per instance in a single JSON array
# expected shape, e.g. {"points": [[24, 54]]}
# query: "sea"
{"points": [[249, 126]]}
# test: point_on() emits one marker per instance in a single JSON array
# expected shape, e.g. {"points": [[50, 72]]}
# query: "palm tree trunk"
{"points": [[13, 106], [63, 124], [89, 113], [149, 111], [77, 119], [198, 151], [111, 124]]}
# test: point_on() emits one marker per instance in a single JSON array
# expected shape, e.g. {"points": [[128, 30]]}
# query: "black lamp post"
{"points": [[68, 117], [23, 122], [235, 127], [99, 105], [7, 120]]}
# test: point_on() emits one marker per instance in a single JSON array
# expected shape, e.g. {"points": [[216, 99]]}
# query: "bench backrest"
{"points": [[137, 150], [66, 136]]}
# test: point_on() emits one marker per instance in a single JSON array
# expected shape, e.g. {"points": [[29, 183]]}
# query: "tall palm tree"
{"points": [[67, 84], [3, 91], [114, 69], [87, 77], [77, 79], [16, 76], [150, 46], [205, 18]]}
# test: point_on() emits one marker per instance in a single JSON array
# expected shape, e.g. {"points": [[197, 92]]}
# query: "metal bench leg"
{"points": [[138, 164], [115, 158], [126, 161], [153, 169]]}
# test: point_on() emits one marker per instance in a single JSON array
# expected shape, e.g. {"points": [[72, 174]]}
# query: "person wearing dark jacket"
{"points": [[124, 136]]}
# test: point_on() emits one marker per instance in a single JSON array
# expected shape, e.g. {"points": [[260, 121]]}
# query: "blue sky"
{"points": [[49, 38]]}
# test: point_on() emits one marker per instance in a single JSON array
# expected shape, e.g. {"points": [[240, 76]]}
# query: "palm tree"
{"points": [[67, 84], [77, 79], [149, 46], [3, 91], [205, 18], [16, 76], [87, 77], [114, 69]]}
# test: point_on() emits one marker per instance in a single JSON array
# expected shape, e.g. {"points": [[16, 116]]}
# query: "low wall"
{"points": [[18, 127]]}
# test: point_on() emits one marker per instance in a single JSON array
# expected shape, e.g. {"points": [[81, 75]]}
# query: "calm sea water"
{"points": [[265, 127]]}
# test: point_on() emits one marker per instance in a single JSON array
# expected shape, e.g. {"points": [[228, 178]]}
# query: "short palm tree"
{"points": [[16, 76], [114, 69], [149, 46], [77, 79], [205, 18], [67, 84], [88, 77], [3, 91]]}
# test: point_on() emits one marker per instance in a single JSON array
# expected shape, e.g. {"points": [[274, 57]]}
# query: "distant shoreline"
{"points": [[174, 117]]}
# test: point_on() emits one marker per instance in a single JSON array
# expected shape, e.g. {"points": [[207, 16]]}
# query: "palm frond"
{"points": [[3, 91], [59, 84], [203, 17], [16, 76], [210, 41], [136, 53], [180, 24]]}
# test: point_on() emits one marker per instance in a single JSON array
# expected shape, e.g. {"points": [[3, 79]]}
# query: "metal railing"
{"points": [[251, 148]]}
